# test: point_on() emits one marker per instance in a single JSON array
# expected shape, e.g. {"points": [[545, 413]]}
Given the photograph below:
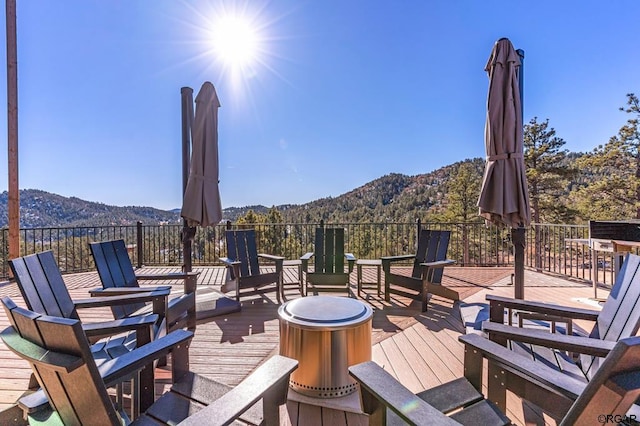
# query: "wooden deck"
{"points": [[420, 349]]}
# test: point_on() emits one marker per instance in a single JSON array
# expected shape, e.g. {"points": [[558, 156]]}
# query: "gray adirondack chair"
{"points": [[44, 291], [243, 264], [618, 319], [608, 397], [118, 276], [426, 275], [328, 274]]}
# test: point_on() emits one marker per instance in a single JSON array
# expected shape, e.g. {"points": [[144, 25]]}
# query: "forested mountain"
{"points": [[44, 209], [390, 198], [393, 197]]}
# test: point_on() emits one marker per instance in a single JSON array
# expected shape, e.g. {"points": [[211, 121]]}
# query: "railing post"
{"points": [[465, 244], [139, 247]]}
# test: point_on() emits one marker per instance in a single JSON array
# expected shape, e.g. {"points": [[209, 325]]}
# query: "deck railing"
{"points": [[550, 248]]}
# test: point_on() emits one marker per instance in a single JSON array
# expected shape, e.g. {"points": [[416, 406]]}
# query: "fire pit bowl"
{"points": [[326, 334]]}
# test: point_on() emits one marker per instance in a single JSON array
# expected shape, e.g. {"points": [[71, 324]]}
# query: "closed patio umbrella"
{"points": [[201, 205], [504, 196]]}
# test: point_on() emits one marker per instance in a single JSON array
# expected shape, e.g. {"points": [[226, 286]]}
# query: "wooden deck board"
{"points": [[421, 349]]}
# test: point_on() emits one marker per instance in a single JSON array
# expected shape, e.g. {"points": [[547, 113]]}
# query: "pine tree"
{"points": [[548, 173], [614, 188], [461, 201]]}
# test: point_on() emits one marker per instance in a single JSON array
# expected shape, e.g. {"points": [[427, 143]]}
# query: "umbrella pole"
{"points": [[187, 118], [518, 234], [13, 202]]}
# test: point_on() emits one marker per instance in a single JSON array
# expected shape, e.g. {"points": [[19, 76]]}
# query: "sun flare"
{"points": [[235, 41]]}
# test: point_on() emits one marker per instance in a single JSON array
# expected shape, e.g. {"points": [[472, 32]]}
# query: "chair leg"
{"points": [[424, 298], [280, 289], [301, 280], [387, 289]]}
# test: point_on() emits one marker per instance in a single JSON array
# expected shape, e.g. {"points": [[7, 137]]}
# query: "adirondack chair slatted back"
{"points": [[241, 247], [42, 286], [59, 354], [113, 264], [612, 390], [620, 315], [329, 251], [432, 246], [115, 270]]}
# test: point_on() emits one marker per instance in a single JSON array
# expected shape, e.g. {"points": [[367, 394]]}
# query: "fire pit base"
{"points": [[349, 403]]}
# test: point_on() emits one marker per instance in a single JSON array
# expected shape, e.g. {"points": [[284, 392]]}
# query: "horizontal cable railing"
{"points": [[558, 249]]}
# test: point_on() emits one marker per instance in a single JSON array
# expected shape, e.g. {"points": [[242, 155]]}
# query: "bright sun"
{"points": [[238, 43], [235, 41]]}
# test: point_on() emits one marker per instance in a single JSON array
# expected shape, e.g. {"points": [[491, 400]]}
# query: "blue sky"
{"points": [[339, 92]]}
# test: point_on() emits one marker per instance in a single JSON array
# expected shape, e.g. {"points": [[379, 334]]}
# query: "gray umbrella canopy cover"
{"points": [[504, 197], [201, 204]]}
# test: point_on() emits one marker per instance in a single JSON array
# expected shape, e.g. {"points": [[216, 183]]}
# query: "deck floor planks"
{"points": [[309, 415], [378, 355], [402, 370], [441, 361], [425, 366], [354, 419], [229, 348], [334, 417]]}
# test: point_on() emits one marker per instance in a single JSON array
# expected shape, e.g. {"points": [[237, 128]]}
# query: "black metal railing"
{"points": [[557, 249]]}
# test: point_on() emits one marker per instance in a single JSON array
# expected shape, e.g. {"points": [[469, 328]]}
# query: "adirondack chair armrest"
{"points": [[398, 258], [229, 262], [351, 260], [305, 260], [118, 291], [388, 260], [497, 304], [168, 276], [269, 382], [234, 266], [438, 264], [578, 344], [278, 260], [190, 278], [34, 402], [110, 328], [158, 298], [114, 370], [519, 365], [122, 299], [380, 390], [306, 256], [271, 257]]}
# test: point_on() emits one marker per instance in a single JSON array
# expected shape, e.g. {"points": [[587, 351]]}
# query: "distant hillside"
{"points": [[390, 198], [394, 197], [44, 209]]}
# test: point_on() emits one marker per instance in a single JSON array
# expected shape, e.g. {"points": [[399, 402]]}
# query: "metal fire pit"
{"points": [[326, 335]]}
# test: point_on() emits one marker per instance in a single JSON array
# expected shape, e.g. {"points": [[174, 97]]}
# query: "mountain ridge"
{"points": [[392, 197]]}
